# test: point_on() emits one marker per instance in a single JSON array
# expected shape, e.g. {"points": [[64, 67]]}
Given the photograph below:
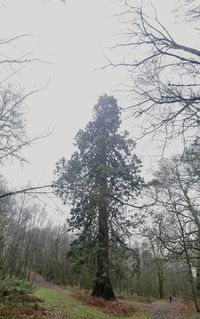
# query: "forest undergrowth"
{"points": [[52, 301]]}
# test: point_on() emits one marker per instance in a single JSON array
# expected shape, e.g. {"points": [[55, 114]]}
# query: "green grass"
{"points": [[75, 310]]}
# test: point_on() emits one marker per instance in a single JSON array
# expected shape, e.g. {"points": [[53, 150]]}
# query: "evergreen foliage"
{"points": [[100, 177]]}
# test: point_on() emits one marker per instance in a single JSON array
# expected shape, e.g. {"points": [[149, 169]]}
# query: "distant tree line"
{"points": [[30, 244]]}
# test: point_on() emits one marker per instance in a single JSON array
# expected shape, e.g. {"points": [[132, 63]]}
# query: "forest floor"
{"points": [[52, 301], [177, 309]]}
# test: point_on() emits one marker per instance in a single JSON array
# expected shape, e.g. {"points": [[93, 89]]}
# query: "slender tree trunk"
{"points": [[198, 277], [198, 265], [160, 283], [194, 295], [159, 270], [188, 260]]}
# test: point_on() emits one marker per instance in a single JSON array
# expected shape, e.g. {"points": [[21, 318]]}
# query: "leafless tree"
{"points": [[175, 218], [12, 99], [165, 75], [191, 9], [13, 109]]}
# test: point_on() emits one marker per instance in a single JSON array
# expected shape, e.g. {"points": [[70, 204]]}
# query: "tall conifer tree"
{"points": [[100, 177]]}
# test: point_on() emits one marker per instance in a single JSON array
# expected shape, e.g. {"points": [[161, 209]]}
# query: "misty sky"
{"points": [[72, 40]]}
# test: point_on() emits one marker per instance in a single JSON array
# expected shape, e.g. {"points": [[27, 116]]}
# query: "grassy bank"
{"points": [[73, 309]]}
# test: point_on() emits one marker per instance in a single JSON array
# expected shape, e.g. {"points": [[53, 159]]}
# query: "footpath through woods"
{"points": [[157, 310], [40, 282], [167, 310], [163, 309]]}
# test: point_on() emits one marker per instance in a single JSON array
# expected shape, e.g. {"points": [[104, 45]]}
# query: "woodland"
{"points": [[126, 237]]}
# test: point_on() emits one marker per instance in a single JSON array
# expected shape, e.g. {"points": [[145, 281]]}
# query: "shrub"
{"points": [[15, 289]]}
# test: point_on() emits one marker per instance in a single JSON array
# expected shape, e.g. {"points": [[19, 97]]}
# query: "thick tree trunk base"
{"points": [[103, 289]]}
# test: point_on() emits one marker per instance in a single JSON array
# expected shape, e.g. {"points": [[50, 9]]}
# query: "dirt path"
{"points": [[164, 309], [174, 310], [41, 282]]}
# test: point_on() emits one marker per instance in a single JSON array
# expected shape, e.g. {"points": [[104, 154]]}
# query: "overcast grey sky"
{"points": [[73, 39]]}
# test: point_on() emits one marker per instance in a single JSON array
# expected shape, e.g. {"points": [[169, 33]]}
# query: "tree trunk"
{"points": [[198, 277], [160, 284], [102, 286], [198, 263]]}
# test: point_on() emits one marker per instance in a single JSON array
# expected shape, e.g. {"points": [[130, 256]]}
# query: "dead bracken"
{"points": [[111, 307]]}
